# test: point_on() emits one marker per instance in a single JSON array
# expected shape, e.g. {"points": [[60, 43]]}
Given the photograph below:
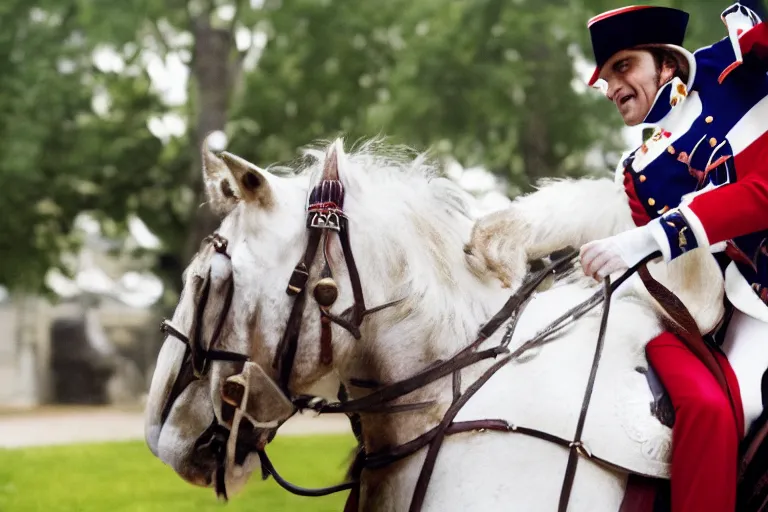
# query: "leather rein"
{"points": [[325, 216]]}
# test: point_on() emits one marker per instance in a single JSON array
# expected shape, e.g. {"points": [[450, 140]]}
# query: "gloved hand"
{"points": [[601, 258]]}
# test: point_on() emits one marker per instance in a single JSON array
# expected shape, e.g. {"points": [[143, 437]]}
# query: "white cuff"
{"points": [[702, 240], [660, 238], [636, 244]]}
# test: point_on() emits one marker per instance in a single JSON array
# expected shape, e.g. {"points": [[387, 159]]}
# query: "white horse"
{"points": [[408, 231]]}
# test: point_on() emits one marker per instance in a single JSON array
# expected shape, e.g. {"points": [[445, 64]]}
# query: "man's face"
{"points": [[633, 80]]}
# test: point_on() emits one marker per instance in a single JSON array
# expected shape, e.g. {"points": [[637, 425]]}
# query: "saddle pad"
{"points": [[545, 388]]}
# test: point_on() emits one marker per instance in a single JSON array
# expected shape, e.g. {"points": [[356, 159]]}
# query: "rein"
{"points": [[377, 402], [325, 216], [434, 437]]}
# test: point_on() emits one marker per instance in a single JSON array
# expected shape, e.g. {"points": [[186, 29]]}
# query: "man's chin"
{"points": [[631, 119]]}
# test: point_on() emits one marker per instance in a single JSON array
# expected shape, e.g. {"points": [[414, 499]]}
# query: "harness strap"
{"points": [[685, 327], [199, 362], [269, 469], [286, 349], [570, 470], [220, 322], [354, 275]]}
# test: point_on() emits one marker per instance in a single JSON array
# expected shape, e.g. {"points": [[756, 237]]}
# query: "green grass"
{"points": [[126, 477]]}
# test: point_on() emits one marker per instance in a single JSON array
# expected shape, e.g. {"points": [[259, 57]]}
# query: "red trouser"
{"points": [[705, 438]]}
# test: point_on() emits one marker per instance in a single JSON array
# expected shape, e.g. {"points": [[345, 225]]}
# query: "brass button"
{"points": [[664, 210], [642, 178], [671, 150], [651, 201], [713, 142], [709, 119]]}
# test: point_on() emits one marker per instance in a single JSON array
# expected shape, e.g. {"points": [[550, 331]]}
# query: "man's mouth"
{"points": [[624, 99]]}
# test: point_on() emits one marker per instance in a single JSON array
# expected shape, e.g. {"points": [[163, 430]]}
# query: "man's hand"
{"points": [[601, 258], [497, 246]]}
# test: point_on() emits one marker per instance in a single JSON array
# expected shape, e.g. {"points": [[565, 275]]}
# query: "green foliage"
{"points": [[490, 82], [59, 157], [126, 477]]}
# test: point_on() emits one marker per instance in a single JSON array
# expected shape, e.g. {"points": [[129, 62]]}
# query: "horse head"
{"points": [[349, 270]]}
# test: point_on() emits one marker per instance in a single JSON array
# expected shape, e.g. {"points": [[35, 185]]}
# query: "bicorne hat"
{"points": [[636, 25]]}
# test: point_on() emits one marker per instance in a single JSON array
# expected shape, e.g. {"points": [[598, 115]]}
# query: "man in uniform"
{"points": [[699, 181]]}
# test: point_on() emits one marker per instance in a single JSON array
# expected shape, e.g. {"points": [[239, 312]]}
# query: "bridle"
{"points": [[325, 216]]}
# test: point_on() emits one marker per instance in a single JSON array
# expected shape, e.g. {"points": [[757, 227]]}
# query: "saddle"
{"points": [[646, 494], [661, 406]]}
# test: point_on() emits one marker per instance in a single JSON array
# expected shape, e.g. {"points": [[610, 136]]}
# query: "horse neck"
{"points": [[443, 309]]}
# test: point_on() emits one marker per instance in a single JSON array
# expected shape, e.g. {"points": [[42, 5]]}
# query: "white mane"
{"points": [[408, 226]]}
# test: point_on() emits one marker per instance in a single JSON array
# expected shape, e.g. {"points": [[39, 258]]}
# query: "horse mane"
{"points": [[412, 224]]}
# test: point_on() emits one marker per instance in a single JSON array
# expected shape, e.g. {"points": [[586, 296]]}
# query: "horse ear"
{"points": [[230, 179], [219, 182], [252, 181], [335, 161]]}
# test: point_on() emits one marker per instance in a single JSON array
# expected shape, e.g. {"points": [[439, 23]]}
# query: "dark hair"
{"points": [[671, 58]]}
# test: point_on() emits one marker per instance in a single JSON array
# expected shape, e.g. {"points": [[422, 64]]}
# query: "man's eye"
{"points": [[623, 66]]}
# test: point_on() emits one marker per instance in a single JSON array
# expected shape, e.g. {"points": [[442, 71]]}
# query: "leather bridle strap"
{"points": [[195, 354], [269, 469], [570, 470], [297, 285], [210, 354], [358, 308]]}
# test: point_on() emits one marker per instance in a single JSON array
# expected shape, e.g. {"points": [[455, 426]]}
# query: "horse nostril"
{"points": [[199, 469]]}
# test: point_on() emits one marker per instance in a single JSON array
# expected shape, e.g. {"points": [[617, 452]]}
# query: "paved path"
{"points": [[53, 426]]}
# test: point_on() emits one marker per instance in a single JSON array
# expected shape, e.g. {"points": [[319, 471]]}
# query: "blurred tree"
{"points": [[60, 155], [490, 82], [486, 81]]}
